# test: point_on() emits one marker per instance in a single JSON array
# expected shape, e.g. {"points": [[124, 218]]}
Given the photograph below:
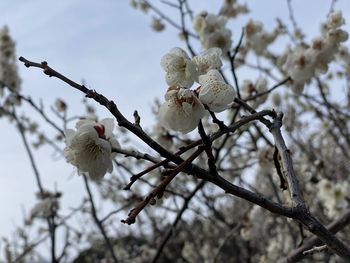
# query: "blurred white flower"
{"points": [[212, 31], [214, 92], [220, 38], [181, 110], [90, 147], [47, 205], [210, 59], [42, 209], [333, 196], [180, 70], [232, 9], [157, 24], [335, 20], [302, 63], [250, 89], [12, 100], [8, 68], [257, 38], [60, 105]]}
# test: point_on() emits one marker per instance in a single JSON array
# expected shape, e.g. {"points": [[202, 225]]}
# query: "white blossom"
{"points": [[212, 31], [335, 20], [210, 59], [333, 196], [257, 89], [47, 205], [89, 148], [232, 9], [144, 7], [60, 105], [180, 70], [181, 110], [157, 25], [220, 38], [8, 68], [41, 209], [257, 38], [214, 92], [302, 63]]}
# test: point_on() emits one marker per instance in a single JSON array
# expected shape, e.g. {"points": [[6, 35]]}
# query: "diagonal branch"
{"points": [[334, 227], [158, 191]]}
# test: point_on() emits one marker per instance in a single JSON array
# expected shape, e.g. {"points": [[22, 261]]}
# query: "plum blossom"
{"points": [[302, 63], [333, 196], [232, 9], [179, 68], [335, 20], [157, 25], [60, 105], [257, 38], [89, 148], [210, 59], [212, 31], [214, 92], [9, 77], [47, 205], [181, 110], [250, 89]]}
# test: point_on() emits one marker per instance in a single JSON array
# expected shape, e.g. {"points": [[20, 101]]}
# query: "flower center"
{"points": [[181, 100], [100, 129]]}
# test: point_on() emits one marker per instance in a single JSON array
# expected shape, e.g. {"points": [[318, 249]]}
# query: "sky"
{"points": [[111, 47]]}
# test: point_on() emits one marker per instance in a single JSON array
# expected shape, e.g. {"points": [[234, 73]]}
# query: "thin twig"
{"points": [[158, 191], [232, 63], [98, 222], [176, 221], [50, 219]]}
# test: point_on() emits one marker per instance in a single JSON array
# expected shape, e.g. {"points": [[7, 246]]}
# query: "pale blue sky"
{"points": [[112, 47]]}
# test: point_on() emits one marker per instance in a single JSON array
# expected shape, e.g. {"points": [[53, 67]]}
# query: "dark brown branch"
{"points": [[158, 191], [276, 160], [135, 177], [208, 149], [299, 212], [286, 162], [41, 112], [334, 227], [302, 213]]}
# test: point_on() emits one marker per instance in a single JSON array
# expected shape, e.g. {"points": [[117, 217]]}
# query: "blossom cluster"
{"points": [[257, 90], [302, 63], [232, 9], [333, 196], [212, 31], [257, 38], [9, 78], [183, 108]]}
